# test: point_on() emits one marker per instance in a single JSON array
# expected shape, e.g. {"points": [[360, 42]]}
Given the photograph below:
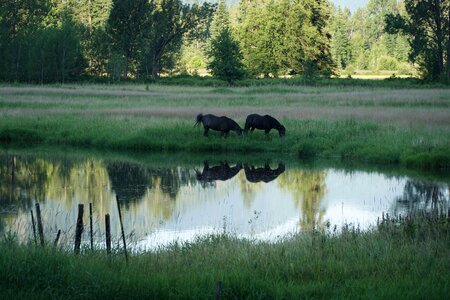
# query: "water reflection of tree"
{"points": [[308, 189], [128, 181], [172, 179], [426, 196], [22, 180]]}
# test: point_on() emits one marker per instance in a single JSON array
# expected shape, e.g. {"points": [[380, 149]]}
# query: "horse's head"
{"points": [[198, 119], [282, 131]]}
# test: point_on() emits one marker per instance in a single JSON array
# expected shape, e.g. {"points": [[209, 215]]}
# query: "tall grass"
{"points": [[346, 140], [401, 259]]}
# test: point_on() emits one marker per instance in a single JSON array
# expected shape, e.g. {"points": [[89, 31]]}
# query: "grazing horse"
{"points": [[222, 124], [265, 174], [265, 123], [222, 172]]}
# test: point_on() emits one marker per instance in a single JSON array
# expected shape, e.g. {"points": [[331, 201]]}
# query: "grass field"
{"points": [[377, 125], [386, 125], [407, 259]]}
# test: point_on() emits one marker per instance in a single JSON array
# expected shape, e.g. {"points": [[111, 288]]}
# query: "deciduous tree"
{"points": [[126, 25], [427, 25]]}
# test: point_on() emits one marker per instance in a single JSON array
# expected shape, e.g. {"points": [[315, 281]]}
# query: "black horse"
{"points": [[222, 172], [265, 123], [222, 124], [265, 174]]}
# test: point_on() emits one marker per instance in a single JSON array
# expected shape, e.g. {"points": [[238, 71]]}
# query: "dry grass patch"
{"points": [[422, 107]]}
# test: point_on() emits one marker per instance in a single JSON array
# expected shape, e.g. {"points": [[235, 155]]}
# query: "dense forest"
{"points": [[46, 41]]}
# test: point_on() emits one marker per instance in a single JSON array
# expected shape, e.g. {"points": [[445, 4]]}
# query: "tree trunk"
{"points": [[126, 66], [17, 60], [439, 36], [155, 67], [448, 41]]}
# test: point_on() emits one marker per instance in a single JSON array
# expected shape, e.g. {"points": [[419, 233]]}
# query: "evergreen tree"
{"points": [[221, 19], [226, 58], [19, 20], [70, 61], [260, 33], [340, 42], [321, 13]]}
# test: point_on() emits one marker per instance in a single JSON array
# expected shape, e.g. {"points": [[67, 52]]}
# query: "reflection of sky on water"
{"points": [[357, 198], [168, 205]]}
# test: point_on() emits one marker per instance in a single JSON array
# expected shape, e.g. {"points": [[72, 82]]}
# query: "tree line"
{"points": [[45, 41]]}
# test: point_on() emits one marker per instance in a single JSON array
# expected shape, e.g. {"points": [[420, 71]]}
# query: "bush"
{"points": [[387, 63]]}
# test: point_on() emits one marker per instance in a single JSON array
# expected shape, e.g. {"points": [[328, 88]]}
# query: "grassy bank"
{"points": [[397, 260], [410, 127]]}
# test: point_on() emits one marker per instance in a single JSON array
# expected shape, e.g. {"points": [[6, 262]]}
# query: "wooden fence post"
{"points": [[34, 226], [55, 243], [79, 229], [90, 222], [13, 167], [39, 223], [218, 290], [108, 234], [121, 228]]}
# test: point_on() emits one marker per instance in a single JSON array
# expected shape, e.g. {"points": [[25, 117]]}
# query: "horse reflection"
{"points": [[221, 172], [265, 174]]}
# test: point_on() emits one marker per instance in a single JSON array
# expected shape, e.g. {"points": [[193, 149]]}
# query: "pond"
{"points": [[166, 200]]}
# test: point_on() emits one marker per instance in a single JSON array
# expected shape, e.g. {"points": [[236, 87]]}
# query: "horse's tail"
{"points": [[248, 122], [199, 119]]}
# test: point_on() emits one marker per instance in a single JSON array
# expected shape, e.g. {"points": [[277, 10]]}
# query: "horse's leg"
{"points": [[267, 133], [252, 129], [206, 131], [246, 128], [224, 133]]}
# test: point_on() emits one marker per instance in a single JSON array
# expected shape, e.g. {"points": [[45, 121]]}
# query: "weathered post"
{"points": [[79, 229], [39, 223], [34, 226], [91, 227], [121, 228], [55, 243], [108, 234], [218, 290], [13, 168]]}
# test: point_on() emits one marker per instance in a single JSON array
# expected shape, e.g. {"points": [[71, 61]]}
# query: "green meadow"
{"points": [[360, 122]]}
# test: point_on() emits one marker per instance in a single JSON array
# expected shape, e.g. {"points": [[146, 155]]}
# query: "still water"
{"points": [[164, 202]]}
